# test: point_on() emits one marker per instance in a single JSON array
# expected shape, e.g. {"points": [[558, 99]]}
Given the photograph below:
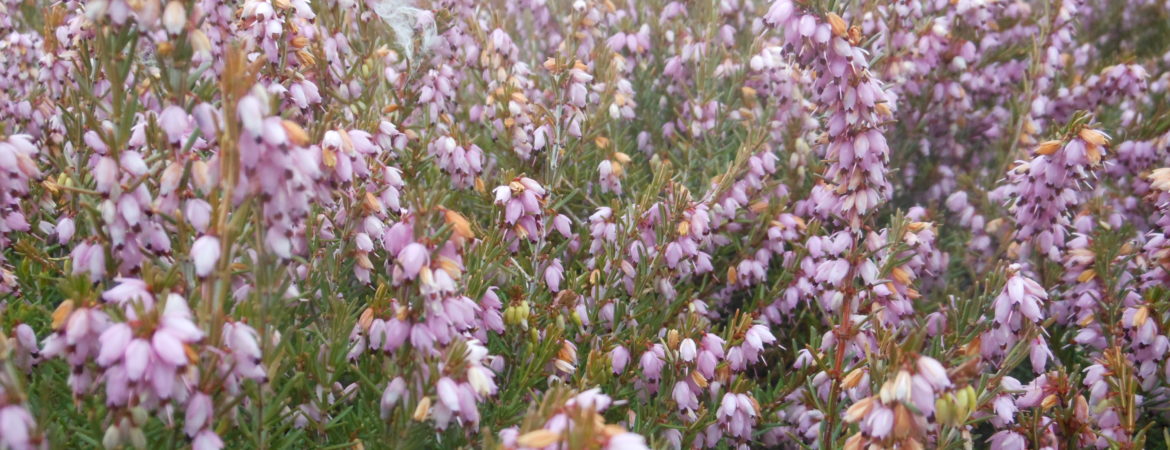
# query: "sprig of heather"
{"points": [[1044, 191], [856, 104]]}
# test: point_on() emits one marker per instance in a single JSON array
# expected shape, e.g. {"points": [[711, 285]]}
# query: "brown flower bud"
{"points": [[296, 134], [422, 410], [1048, 147], [837, 24], [61, 314]]}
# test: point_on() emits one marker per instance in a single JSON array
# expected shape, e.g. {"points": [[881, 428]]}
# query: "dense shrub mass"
{"points": [[561, 224]]}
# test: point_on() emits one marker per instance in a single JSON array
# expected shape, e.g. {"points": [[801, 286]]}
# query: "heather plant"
{"points": [[564, 224]]}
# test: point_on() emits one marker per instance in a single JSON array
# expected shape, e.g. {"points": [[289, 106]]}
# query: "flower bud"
{"points": [[174, 17], [423, 408], [852, 378], [138, 415], [113, 438], [970, 402], [137, 437], [836, 24], [200, 43], [944, 412], [903, 421], [61, 314], [859, 410], [1048, 147]]}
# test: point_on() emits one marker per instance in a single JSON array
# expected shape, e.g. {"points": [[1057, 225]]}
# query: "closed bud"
{"points": [[1093, 136], [852, 378], [886, 393], [944, 411], [902, 386], [510, 315], [1160, 179], [200, 43], [859, 410], [672, 339], [1140, 316], [296, 134], [61, 314], [1048, 147], [113, 438], [699, 379], [749, 94], [459, 224], [306, 58], [900, 275], [372, 203], [837, 24], [138, 415], [421, 411], [174, 17], [366, 319], [903, 421], [854, 442], [52, 185], [137, 437], [568, 352], [328, 157], [201, 176], [970, 401], [363, 261], [1081, 408]]}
